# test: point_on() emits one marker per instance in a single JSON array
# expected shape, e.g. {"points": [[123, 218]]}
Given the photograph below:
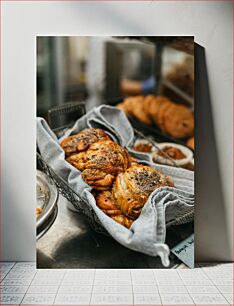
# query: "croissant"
{"points": [[101, 163], [81, 141], [106, 203], [133, 187]]}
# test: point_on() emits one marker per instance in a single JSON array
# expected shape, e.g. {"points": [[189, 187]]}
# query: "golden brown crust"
{"points": [[81, 141], [164, 106], [133, 187], [190, 143], [173, 119], [101, 163], [134, 106], [123, 220], [155, 107], [107, 204], [105, 163], [179, 121], [98, 179], [128, 105], [138, 110], [123, 107], [147, 104]]}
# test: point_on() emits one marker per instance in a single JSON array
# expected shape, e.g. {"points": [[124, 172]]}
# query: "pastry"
{"points": [[107, 204], [101, 163], [148, 103], [134, 106], [81, 141], [190, 143], [174, 119], [133, 187]]}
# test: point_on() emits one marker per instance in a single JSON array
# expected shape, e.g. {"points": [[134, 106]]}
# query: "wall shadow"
{"points": [[211, 231]]}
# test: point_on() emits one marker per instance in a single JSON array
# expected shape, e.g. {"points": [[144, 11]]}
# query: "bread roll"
{"points": [[107, 204], [101, 163], [133, 187]]}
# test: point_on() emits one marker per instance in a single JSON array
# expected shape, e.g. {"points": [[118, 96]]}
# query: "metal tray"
{"points": [[47, 198]]}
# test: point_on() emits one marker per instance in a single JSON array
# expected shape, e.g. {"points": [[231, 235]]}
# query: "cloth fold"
{"points": [[147, 234]]}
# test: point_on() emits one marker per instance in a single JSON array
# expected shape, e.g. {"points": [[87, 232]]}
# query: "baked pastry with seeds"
{"points": [[101, 163], [154, 107], [107, 204], [133, 187], [149, 100], [159, 117]]}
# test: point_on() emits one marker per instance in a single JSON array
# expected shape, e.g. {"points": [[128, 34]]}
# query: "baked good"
{"points": [[134, 106], [159, 119], [174, 119], [133, 187], [101, 163], [138, 110], [123, 107], [178, 121], [107, 204], [81, 141], [147, 103], [150, 104], [127, 105], [190, 143], [155, 106]]}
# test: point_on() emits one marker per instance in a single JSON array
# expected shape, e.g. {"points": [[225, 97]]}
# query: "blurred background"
{"points": [[105, 69]]}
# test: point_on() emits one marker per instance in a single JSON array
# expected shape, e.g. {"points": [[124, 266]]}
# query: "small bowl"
{"points": [[171, 161], [143, 142]]}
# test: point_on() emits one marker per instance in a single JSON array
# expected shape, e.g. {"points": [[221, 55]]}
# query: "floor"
{"points": [[207, 284]]}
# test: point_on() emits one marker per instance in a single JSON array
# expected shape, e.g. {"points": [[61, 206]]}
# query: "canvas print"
{"points": [[115, 152]]}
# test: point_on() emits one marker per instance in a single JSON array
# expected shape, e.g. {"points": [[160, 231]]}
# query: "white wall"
{"points": [[211, 24]]}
